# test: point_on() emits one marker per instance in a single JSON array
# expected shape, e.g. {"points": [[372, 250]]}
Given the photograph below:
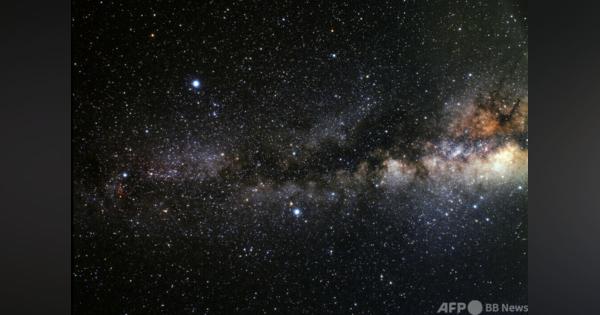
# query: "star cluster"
{"points": [[298, 157]]}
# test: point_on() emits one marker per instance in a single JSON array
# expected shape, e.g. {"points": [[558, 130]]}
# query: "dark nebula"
{"points": [[298, 157]]}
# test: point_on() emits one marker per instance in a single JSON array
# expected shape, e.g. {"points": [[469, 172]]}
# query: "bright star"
{"points": [[196, 83], [296, 212]]}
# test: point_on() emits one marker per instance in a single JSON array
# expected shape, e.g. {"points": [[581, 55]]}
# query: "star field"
{"points": [[298, 157]]}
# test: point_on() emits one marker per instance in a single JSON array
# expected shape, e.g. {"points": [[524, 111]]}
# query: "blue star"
{"points": [[296, 212], [196, 83]]}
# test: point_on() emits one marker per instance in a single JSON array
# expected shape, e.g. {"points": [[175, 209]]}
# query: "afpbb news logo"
{"points": [[476, 307]]}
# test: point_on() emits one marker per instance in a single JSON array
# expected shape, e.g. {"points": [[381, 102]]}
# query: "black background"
{"points": [[564, 277]]}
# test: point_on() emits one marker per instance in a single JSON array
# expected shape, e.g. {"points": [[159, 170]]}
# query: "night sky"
{"points": [[298, 157]]}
